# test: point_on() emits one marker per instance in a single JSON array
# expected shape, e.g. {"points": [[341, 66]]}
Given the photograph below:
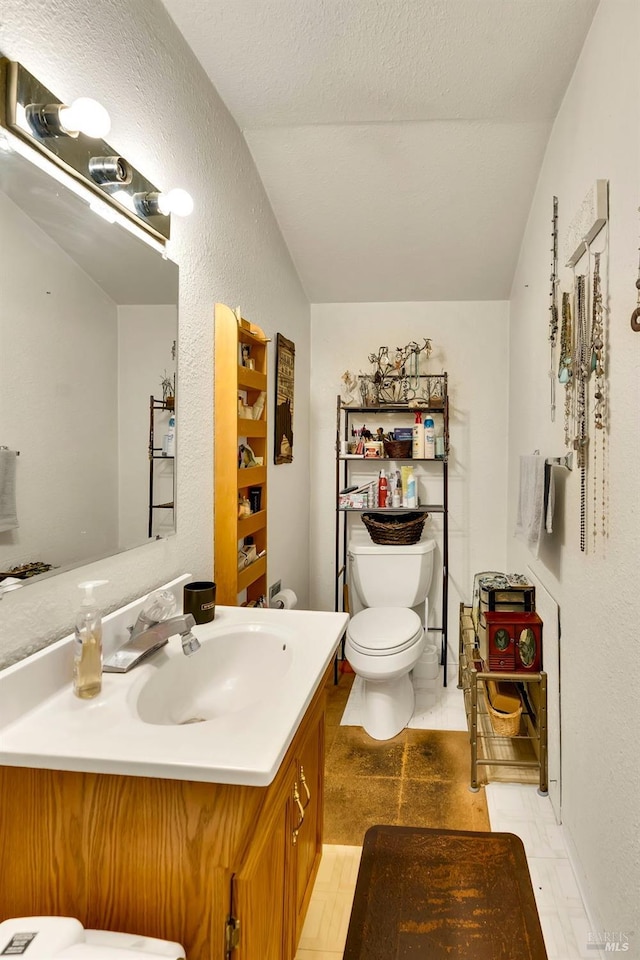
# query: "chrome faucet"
{"points": [[147, 636]]}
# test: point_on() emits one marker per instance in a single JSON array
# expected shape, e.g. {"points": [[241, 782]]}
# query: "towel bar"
{"points": [[566, 461], [2, 447]]}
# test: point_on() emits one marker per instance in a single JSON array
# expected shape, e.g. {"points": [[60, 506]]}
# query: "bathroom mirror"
{"points": [[88, 329]]}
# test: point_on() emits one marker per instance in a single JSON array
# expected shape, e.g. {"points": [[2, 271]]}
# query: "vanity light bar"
{"points": [[96, 204], [87, 161]]}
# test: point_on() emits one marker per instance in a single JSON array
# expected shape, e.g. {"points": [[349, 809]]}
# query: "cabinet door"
{"points": [[260, 894], [308, 848]]}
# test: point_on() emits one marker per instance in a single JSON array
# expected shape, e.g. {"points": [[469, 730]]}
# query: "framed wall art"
{"points": [[285, 362]]}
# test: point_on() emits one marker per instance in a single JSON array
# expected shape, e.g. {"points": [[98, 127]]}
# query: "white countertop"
{"points": [[58, 731]]}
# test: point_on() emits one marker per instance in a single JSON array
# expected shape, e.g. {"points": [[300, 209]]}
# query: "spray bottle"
{"points": [[429, 439], [383, 489], [417, 446], [87, 655]]}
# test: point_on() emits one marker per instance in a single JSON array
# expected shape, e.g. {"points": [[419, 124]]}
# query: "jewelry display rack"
{"points": [[439, 405], [527, 750]]}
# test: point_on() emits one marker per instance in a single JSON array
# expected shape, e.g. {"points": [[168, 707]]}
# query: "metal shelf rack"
{"points": [[527, 751], [344, 464]]}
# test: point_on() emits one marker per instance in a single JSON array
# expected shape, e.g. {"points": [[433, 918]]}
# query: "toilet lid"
{"points": [[381, 630]]}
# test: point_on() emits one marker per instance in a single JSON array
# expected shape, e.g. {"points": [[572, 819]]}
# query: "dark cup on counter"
{"points": [[199, 599], [255, 498]]}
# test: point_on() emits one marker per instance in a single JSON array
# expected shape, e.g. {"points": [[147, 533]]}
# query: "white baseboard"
{"points": [[595, 921]]}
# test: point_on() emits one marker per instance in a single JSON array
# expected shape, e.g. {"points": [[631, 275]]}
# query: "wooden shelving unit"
{"points": [[231, 378]]}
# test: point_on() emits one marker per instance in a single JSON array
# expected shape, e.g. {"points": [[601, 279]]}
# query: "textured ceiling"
{"points": [[399, 141]]}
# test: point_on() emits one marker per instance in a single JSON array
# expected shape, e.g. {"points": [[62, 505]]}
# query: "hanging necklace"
{"points": [[635, 316], [565, 368], [553, 307], [582, 376], [598, 340]]}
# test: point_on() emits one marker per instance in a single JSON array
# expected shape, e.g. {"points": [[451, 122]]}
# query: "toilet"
{"points": [[386, 639]]}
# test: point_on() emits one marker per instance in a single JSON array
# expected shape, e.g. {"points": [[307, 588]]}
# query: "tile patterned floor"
{"points": [[514, 808], [437, 707], [416, 779]]}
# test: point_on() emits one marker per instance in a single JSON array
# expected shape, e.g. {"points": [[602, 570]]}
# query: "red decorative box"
{"points": [[511, 642]]}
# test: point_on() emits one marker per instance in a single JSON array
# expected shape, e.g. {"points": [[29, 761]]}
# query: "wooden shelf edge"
{"points": [[250, 476], [247, 526], [251, 379], [250, 574], [251, 337], [251, 428]]}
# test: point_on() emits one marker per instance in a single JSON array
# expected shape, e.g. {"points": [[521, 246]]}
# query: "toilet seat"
{"points": [[381, 631]]}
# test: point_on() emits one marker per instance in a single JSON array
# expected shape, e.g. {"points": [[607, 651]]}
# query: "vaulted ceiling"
{"points": [[399, 141]]}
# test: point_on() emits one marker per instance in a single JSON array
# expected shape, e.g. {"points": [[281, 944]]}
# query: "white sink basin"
{"points": [[234, 669], [227, 714]]}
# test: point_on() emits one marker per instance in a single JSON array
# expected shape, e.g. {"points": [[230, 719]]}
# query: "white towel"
{"points": [[8, 514], [549, 496], [530, 519]]}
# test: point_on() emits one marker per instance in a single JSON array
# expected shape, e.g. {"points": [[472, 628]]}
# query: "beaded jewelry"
{"points": [[635, 316], [553, 307], [565, 367], [582, 376], [598, 367]]}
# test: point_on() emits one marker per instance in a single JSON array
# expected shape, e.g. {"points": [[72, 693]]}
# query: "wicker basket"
{"points": [[398, 448], [504, 724], [399, 528]]}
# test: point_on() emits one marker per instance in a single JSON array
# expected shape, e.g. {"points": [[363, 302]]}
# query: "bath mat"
{"points": [[442, 895]]}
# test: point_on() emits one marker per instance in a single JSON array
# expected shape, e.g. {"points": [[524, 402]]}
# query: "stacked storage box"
{"points": [[508, 629]]}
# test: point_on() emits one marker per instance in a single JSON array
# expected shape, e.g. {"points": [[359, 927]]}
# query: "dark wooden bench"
{"points": [[425, 894]]}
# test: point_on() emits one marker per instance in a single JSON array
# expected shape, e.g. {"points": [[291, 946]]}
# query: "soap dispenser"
{"points": [[87, 656]]}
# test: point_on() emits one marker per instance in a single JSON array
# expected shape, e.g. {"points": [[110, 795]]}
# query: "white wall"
{"points": [[470, 341], [596, 135], [58, 332], [145, 338], [168, 121]]}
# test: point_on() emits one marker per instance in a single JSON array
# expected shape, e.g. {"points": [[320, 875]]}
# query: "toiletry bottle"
{"points": [[412, 497], [396, 498], [87, 655], [429, 439], [383, 490], [169, 445], [417, 446]]}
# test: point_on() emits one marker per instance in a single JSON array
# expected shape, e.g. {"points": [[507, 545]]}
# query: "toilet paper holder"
{"points": [[285, 599]]}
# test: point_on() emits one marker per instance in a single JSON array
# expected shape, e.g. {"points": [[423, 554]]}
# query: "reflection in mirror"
{"points": [[88, 330]]}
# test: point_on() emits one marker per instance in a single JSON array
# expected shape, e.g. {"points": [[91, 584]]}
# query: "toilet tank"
{"points": [[391, 576]]}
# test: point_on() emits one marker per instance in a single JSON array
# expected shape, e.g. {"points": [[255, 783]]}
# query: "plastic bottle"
{"points": [[383, 489], [412, 497], [169, 445], [87, 655], [396, 497], [429, 439], [417, 447]]}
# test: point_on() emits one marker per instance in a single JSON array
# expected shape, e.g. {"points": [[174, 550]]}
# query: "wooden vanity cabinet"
{"points": [[271, 891], [169, 858]]}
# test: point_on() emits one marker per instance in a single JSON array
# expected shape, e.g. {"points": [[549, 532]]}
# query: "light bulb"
{"points": [[125, 199], [86, 116], [175, 201]]}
